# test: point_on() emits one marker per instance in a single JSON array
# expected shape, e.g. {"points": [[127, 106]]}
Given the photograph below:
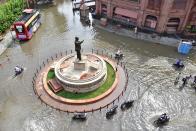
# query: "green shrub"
{"points": [[9, 12]]}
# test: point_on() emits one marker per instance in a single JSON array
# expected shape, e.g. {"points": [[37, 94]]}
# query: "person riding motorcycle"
{"points": [[118, 53], [163, 117], [194, 79], [18, 70], [179, 63]]}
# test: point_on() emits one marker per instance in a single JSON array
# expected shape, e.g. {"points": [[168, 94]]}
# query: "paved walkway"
{"points": [[140, 35], [44, 96], [6, 42]]}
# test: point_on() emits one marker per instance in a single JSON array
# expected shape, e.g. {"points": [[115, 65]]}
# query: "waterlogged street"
{"points": [[151, 82]]}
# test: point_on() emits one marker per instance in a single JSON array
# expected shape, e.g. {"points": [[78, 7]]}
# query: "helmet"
{"points": [[76, 38]]}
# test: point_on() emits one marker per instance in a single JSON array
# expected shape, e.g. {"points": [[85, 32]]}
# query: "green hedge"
{"points": [[50, 75], [9, 12]]}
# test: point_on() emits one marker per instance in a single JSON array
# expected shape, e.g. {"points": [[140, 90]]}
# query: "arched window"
{"points": [[103, 9], [154, 4], [151, 21], [172, 25], [193, 16], [179, 4]]}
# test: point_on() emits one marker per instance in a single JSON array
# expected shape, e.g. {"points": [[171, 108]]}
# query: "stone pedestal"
{"points": [[79, 65], [81, 76]]}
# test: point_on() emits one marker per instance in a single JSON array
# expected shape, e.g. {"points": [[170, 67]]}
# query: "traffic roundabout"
{"points": [[69, 85]]}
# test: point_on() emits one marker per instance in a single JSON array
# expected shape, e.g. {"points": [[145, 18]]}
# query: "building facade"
{"points": [[170, 16]]}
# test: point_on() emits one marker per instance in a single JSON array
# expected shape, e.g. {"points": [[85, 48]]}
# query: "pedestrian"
{"points": [[135, 30], [193, 43], [193, 84], [184, 80], [8, 59], [194, 79], [188, 78], [177, 79]]}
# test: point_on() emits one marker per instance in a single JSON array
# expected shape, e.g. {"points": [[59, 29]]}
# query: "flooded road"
{"points": [[151, 82]]}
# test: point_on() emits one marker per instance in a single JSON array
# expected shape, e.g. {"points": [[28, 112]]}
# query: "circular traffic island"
{"points": [[80, 76], [70, 85]]}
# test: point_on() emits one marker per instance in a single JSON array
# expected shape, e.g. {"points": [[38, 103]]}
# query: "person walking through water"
{"points": [[185, 81], [78, 47], [194, 83], [135, 30], [177, 79]]}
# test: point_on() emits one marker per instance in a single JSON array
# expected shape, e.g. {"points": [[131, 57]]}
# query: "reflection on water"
{"points": [[150, 83]]}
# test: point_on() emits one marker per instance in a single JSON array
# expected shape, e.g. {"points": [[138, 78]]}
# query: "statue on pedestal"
{"points": [[78, 47]]}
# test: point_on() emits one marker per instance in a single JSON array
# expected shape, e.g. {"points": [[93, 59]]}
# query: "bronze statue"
{"points": [[78, 47]]}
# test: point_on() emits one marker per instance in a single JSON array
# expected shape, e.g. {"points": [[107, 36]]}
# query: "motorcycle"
{"points": [[118, 56], [111, 112], [178, 66], [126, 105], [161, 121], [79, 116], [18, 72]]}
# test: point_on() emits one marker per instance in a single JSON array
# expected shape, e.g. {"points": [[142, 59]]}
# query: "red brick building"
{"points": [[171, 16]]}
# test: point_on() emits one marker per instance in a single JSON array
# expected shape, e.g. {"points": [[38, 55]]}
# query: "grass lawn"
{"points": [[50, 75], [103, 88]]}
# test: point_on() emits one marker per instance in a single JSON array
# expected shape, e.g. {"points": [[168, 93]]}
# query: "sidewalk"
{"points": [[140, 35], [6, 42]]}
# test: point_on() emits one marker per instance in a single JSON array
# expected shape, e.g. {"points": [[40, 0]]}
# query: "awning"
{"points": [[126, 12]]}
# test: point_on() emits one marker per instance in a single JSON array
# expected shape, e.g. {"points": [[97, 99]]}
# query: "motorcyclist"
{"points": [[163, 117], [194, 79], [18, 70], [118, 53], [179, 63]]}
